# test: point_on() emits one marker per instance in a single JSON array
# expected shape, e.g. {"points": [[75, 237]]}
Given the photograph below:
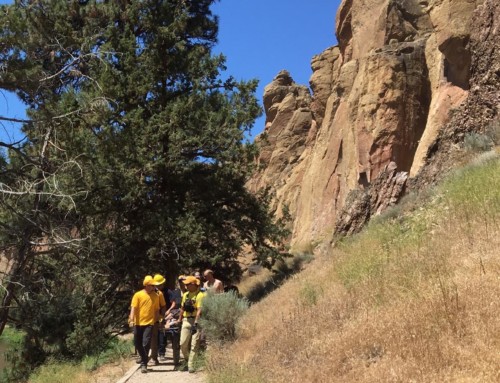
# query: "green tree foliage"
{"points": [[134, 161]]}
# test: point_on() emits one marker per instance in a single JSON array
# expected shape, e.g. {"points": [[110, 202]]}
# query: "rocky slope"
{"points": [[379, 118]]}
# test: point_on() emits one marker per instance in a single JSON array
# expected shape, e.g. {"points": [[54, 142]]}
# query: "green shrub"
{"points": [[493, 131], [476, 142], [221, 313], [22, 355], [13, 341]]}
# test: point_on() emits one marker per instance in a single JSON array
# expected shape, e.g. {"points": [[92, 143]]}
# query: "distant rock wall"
{"points": [[380, 103]]}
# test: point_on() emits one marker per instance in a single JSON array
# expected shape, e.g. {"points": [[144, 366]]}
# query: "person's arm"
{"points": [[198, 314], [181, 315], [163, 305], [172, 306], [198, 308], [219, 288], [133, 310], [181, 312], [131, 317], [169, 297]]}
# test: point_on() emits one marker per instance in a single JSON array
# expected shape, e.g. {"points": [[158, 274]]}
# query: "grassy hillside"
{"points": [[412, 298]]}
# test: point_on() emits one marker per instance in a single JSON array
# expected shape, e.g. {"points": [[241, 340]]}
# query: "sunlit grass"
{"points": [[112, 361], [414, 297]]}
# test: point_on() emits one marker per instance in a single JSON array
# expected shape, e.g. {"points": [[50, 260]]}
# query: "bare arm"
{"points": [[172, 306], [181, 315], [219, 287], [131, 317], [198, 314]]}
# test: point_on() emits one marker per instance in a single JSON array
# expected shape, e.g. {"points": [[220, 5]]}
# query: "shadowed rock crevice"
{"points": [[457, 60]]}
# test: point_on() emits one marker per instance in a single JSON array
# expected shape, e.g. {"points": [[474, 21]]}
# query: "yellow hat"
{"points": [[158, 278], [190, 279], [148, 281]]}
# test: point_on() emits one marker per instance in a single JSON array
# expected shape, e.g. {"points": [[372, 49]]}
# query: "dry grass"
{"points": [[412, 299]]}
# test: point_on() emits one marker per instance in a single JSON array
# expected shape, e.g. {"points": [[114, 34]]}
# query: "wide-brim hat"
{"points": [[190, 280], [148, 281], [159, 279]]}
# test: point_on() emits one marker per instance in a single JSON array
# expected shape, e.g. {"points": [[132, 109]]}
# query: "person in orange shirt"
{"points": [[144, 313]]}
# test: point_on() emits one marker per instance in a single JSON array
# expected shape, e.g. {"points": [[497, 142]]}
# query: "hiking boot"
{"points": [[163, 358], [138, 361], [191, 371], [144, 369], [156, 362]]}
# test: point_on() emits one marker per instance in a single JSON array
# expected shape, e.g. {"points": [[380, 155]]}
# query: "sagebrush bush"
{"points": [[221, 313], [493, 131], [477, 142]]}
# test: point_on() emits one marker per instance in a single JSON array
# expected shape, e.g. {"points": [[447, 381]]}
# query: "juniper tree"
{"points": [[133, 161]]}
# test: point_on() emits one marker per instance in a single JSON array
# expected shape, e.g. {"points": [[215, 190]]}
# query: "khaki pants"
{"points": [[190, 343], [154, 341]]}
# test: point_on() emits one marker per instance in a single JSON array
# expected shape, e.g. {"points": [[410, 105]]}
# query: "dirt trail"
{"points": [[164, 373]]}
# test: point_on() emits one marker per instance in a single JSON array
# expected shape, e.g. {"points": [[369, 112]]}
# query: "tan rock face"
{"points": [[380, 101], [480, 110]]}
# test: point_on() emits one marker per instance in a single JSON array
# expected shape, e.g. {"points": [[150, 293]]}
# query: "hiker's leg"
{"points": [[195, 346], [154, 341], [162, 342], [176, 346], [146, 340], [185, 341], [138, 337]]}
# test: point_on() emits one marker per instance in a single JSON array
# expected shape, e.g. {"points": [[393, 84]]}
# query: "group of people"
{"points": [[158, 315]]}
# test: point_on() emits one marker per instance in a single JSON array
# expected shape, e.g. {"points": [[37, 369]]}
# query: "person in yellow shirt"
{"points": [[191, 306], [160, 283], [144, 313]]}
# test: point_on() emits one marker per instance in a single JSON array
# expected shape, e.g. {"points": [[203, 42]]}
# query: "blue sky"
{"points": [[258, 37]]}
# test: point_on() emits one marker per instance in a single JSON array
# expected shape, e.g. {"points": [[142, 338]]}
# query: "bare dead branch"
{"points": [[23, 121], [58, 242]]}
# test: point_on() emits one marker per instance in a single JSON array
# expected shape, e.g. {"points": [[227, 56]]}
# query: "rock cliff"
{"points": [[379, 113]]}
